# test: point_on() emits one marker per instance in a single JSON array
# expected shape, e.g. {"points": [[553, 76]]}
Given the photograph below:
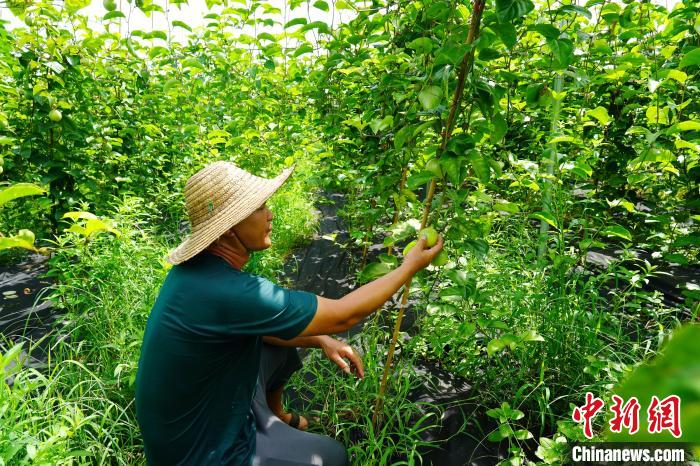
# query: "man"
{"points": [[196, 396]]}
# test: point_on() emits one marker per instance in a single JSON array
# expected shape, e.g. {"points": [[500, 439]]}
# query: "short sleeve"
{"points": [[256, 306]]}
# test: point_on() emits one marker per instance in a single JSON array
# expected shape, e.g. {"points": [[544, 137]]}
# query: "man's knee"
{"points": [[333, 453]]}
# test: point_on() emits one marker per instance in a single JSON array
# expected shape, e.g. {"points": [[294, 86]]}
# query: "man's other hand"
{"points": [[338, 352]]}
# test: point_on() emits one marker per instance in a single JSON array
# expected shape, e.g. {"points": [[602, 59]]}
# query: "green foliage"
{"points": [[676, 371], [582, 119]]}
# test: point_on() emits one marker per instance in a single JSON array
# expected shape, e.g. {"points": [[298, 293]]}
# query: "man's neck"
{"points": [[234, 256]]}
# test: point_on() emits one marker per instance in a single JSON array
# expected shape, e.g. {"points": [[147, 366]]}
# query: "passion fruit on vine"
{"points": [[55, 115], [110, 5], [408, 247], [431, 236]]}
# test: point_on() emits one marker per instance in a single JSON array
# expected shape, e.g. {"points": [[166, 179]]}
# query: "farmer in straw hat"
{"points": [[221, 343]]}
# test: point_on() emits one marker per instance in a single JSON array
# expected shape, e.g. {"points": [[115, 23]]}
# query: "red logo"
{"points": [[665, 415], [662, 414], [586, 413], [626, 415]]}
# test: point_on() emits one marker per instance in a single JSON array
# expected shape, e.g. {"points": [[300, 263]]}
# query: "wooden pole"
{"points": [[465, 67]]}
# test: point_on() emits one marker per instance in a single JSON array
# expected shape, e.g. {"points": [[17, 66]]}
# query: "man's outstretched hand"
{"points": [[338, 352]]}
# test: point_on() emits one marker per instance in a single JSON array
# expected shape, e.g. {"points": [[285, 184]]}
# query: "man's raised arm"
{"points": [[337, 315]]}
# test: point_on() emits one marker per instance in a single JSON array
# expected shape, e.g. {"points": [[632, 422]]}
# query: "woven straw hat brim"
{"points": [[255, 192]]}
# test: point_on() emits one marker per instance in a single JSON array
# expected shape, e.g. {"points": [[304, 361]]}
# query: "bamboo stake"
{"points": [[465, 67], [551, 162]]}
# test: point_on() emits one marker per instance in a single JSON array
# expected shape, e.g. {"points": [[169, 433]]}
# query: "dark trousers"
{"points": [[278, 444]]}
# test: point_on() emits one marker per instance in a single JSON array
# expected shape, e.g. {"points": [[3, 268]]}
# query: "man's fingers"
{"points": [[438, 246], [342, 364], [357, 362]]}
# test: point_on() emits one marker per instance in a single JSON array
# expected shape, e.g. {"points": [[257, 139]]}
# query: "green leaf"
{"points": [[677, 75], [600, 114], [506, 32], [430, 97], [266, 36], [74, 5], [419, 179], [558, 139], [508, 10], [691, 58], [451, 54], [460, 277], [500, 127], [77, 215], [158, 50], [531, 335], [617, 231], [547, 31], [689, 125], [679, 259], [402, 136], [681, 144], [5, 359], [295, 22], [576, 9], [192, 63], [478, 247], [452, 166], [321, 5], [503, 431], [545, 217], [494, 346], [522, 434], [170, 84], [319, 25], [509, 207], [182, 25], [655, 114], [373, 271], [378, 125], [112, 15], [302, 49], [24, 240], [480, 166], [421, 45], [157, 35], [692, 239], [563, 51], [19, 190]]}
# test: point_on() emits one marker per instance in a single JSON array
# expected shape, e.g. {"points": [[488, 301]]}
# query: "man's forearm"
{"points": [[370, 297], [301, 342]]}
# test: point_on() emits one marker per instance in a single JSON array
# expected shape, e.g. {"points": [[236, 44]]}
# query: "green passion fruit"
{"points": [[408, 247], [55, 115], [431, 236]]}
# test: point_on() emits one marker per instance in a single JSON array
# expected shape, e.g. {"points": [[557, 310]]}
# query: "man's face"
{"points": [[254, 230]]}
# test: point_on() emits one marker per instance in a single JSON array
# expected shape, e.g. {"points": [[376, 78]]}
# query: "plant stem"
{"points": [[465, 67]]}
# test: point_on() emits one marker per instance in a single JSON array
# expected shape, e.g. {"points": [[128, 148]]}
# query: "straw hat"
{"points": [[218, 197]]}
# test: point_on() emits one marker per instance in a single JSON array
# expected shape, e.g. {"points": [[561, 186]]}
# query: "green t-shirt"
{"points": [[200, 359]]}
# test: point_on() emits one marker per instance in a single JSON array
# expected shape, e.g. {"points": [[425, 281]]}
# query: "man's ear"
{"points": [[229, 233]]}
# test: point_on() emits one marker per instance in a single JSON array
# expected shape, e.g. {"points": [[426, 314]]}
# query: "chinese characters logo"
{"points": [[661, 415]]}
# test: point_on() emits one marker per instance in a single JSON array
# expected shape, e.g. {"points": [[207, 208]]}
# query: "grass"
{"points": [[344, 405]]}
